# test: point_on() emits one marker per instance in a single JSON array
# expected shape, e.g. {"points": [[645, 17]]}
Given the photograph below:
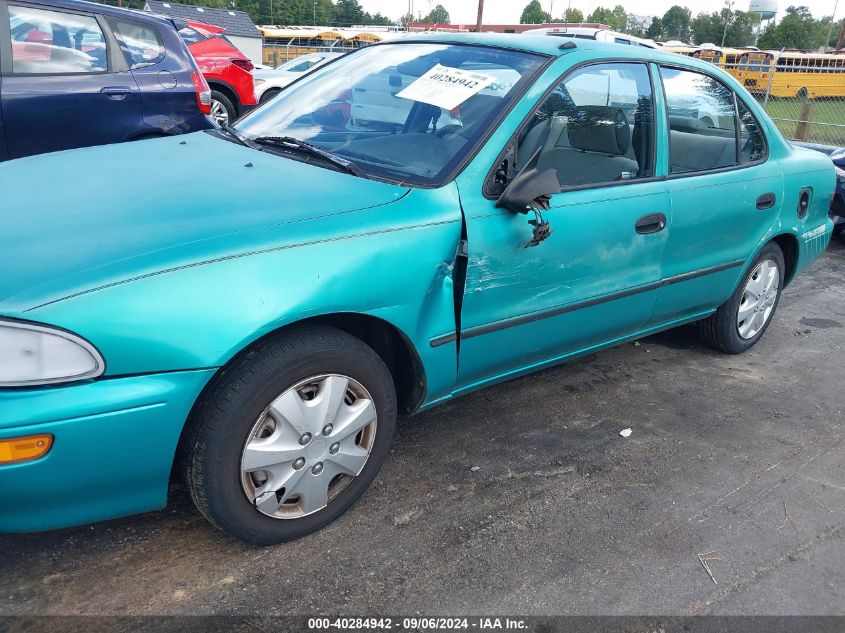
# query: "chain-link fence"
{"points": [[806, 101]]}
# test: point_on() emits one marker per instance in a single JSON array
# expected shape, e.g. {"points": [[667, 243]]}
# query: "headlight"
{"points": [[37, 355], [258, 82]]}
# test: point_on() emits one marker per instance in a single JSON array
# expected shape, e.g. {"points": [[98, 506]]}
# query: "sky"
{"points": [[508, 11]]}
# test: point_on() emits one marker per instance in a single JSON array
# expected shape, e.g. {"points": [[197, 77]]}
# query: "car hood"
{"points": [[82, 219]]}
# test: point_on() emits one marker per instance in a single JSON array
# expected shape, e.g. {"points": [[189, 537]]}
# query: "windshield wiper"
{"points": [[240, 138], [289, 142]]}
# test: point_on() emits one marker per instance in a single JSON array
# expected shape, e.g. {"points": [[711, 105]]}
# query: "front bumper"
{"points": [[113, 448]]}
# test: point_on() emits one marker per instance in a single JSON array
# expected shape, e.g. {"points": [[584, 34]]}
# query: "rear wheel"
{"points": [[222, 109], [740, 322], [291, 436]]}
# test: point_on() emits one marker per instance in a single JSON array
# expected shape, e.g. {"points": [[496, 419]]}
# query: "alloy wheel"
{"points": [[219, 114]]}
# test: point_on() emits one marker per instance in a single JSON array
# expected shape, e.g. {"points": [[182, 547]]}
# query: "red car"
{"points": [[226, 69]]}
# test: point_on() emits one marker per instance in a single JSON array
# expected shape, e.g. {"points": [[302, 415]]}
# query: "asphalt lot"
{"points": [[737, 457]]}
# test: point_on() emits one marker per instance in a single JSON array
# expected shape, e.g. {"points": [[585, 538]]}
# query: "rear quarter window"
{"points": [[140, 43]]}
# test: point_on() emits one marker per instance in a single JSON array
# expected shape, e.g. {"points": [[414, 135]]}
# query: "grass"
{"points": [[786, 113]]}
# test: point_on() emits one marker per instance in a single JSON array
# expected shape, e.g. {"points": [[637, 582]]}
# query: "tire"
{"points": [[802, 93], [223, 428], [269, 94], [222, 108], [724, 330]]}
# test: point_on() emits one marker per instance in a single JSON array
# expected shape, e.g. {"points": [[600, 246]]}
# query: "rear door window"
{"points": [[47, 42], [702, 121]]}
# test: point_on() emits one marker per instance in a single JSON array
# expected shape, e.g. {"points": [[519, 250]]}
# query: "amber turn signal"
{"points": [[20, 449]]}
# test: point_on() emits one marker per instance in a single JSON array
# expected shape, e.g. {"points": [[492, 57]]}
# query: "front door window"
{"points": [[596, 127]]}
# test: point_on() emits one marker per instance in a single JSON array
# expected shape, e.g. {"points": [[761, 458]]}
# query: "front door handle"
{"points": [[115, 92], [766, 201], [651, 223]]}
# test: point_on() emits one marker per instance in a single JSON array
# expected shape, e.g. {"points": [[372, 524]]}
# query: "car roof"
{"points": [[104, 9], [558, 47]]}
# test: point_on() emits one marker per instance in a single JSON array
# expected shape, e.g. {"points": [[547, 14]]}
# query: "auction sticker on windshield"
{"points": [[446, 87]]}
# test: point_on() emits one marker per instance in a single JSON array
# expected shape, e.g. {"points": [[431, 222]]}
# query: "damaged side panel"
{"points": [[398, 269]]}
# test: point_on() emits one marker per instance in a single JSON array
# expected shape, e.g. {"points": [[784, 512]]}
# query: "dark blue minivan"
{"points": [[75, 73]]}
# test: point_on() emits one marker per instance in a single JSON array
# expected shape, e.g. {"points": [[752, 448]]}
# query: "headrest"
{"points": [[602, 129], [685, 124]]}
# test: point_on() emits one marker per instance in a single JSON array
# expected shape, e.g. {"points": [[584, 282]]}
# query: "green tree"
{"points": [[407, 20], [676, 23], [655, 29], [378, 19], [572, 16], [740, 28], [616, 18], [797, 29], [310, 12], [706, 27], [533, 14], [347, 12], [638, 25], [709, 27], [601, 15], [438, 15], [619, 21]]}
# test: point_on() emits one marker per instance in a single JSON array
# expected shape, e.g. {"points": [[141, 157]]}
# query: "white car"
{"points": [[268, 83], [585, 33]]}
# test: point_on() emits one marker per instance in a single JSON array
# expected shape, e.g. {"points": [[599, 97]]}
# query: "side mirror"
{"points": [[530, 188]]}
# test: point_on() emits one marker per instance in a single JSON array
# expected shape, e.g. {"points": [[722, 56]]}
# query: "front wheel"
{"points": [[291, 435], [740, 322]]}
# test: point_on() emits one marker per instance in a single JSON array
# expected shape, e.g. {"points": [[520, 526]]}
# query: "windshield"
{"points": [[402, 112]]}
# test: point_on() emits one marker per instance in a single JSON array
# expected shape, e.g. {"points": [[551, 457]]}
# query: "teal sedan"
{"points": [[250, 308]]}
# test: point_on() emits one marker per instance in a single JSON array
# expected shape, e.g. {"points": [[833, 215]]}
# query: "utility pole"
{"points": [[315, 12], [841, 39], [728, 5], [480, 13], [830, 30]]}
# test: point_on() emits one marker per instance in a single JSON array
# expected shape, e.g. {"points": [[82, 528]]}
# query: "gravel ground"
{"points": [[736, 457]]}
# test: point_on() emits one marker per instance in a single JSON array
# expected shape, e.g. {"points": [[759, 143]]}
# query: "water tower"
{"points": [[766, 9]]}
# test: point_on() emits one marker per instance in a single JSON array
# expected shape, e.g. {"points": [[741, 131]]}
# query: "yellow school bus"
{"points": [[680, 50], [730, 59], [284, 43], [793, 74]]}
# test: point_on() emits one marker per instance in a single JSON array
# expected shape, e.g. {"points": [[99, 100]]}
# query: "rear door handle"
{"points": [[651, 223], [115, 92], [766, 201]]}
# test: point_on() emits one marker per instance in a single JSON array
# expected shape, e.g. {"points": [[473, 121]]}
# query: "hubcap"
{"points": [[758, 299], [290, 466], [219, 113]]}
